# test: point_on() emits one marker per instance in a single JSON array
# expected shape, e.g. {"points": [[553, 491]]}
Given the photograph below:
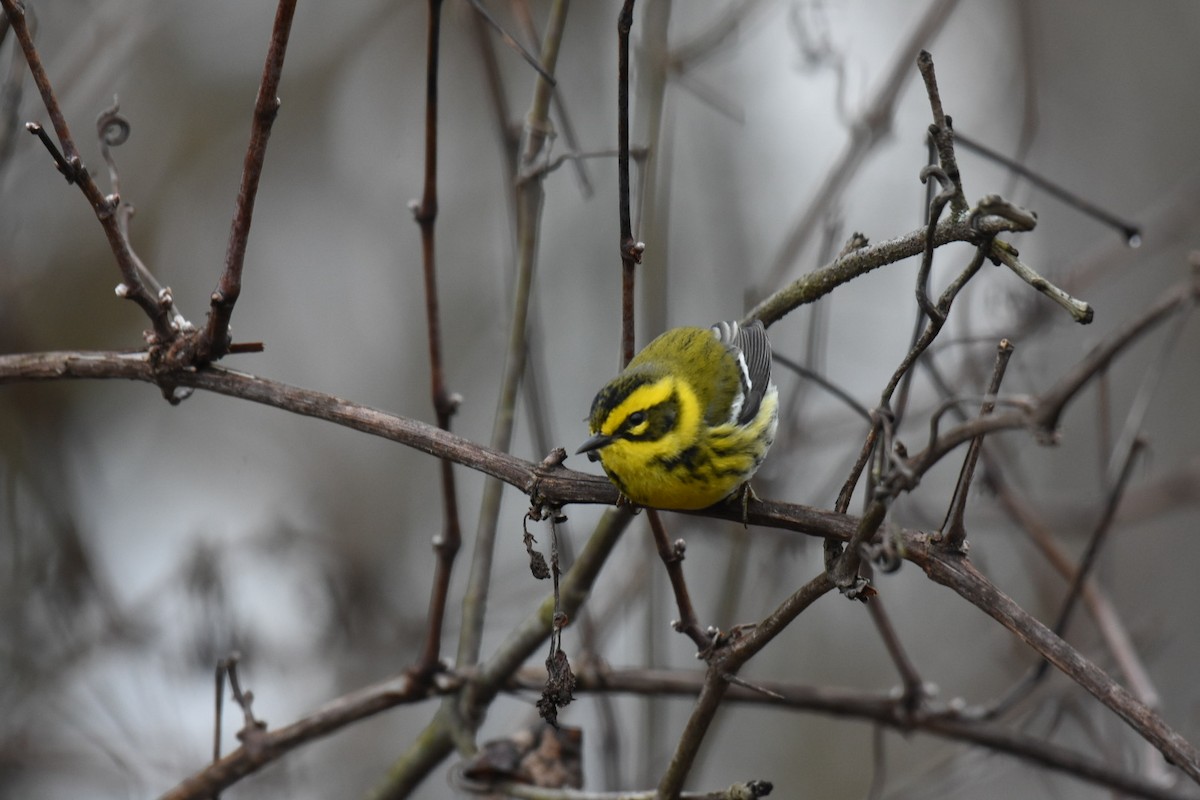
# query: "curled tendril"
{"points": [[112, 128], [936, 171]]}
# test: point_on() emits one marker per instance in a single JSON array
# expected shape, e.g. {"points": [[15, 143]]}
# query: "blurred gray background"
{"points": [[140, 542]]}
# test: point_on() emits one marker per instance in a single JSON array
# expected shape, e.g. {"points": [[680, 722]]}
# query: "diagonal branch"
{"points": [[104, 206], [214, 341], [861, 260], [726, 661], [960, 575]]}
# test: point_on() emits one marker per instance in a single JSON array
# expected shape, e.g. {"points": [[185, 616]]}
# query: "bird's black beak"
{"points": [[592, 445]]}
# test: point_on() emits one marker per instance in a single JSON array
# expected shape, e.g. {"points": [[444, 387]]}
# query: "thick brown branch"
{"points": [[881, 708], [562, 486]]}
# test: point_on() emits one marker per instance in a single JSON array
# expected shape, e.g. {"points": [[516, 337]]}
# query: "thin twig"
{"points": [[960, 575], [638, 154], [954, 532], [437, 740], [1006, 254], [1079, 580], [652, 202], [672, 558], [880, 708], [113, 130], [728, 659], [748, 790], [826, 384], [631, 251], [512, 43], [936, 322], [858, 262], [1131, 231], [1115, 634], [936, 205], [942, 132], [559, 103], [446, 545], [720, 31], [213, 342], [914, 688], [845, 572], [847, 567]]}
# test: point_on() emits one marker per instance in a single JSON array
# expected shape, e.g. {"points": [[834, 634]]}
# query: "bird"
{"points": [[690, 419]]}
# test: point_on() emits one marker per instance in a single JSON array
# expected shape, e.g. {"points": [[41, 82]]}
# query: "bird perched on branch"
{"points": [[690, 419]]}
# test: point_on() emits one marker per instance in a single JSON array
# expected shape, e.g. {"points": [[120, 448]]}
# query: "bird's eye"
{"points": [[635, 419]]}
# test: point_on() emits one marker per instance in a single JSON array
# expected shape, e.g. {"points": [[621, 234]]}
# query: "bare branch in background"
{"points": [[865, 133]]}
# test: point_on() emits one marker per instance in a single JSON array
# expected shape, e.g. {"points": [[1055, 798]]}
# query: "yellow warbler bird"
{"points": [[690, 419]]}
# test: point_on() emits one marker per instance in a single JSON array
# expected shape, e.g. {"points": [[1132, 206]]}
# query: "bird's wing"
{"points": [[750, 345]]}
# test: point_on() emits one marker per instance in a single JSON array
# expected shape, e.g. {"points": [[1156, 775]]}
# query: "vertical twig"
{"points": [[11, 91], [942, 131], [631, 251], [218, 713], [446, 545], [878, 763], [954, 533], [113, 130], [672, 558], [946, 171], [214, 341], [1088, 560]]}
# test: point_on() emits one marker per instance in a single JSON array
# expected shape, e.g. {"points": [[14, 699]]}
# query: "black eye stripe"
{"points": [[658, 421]]}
